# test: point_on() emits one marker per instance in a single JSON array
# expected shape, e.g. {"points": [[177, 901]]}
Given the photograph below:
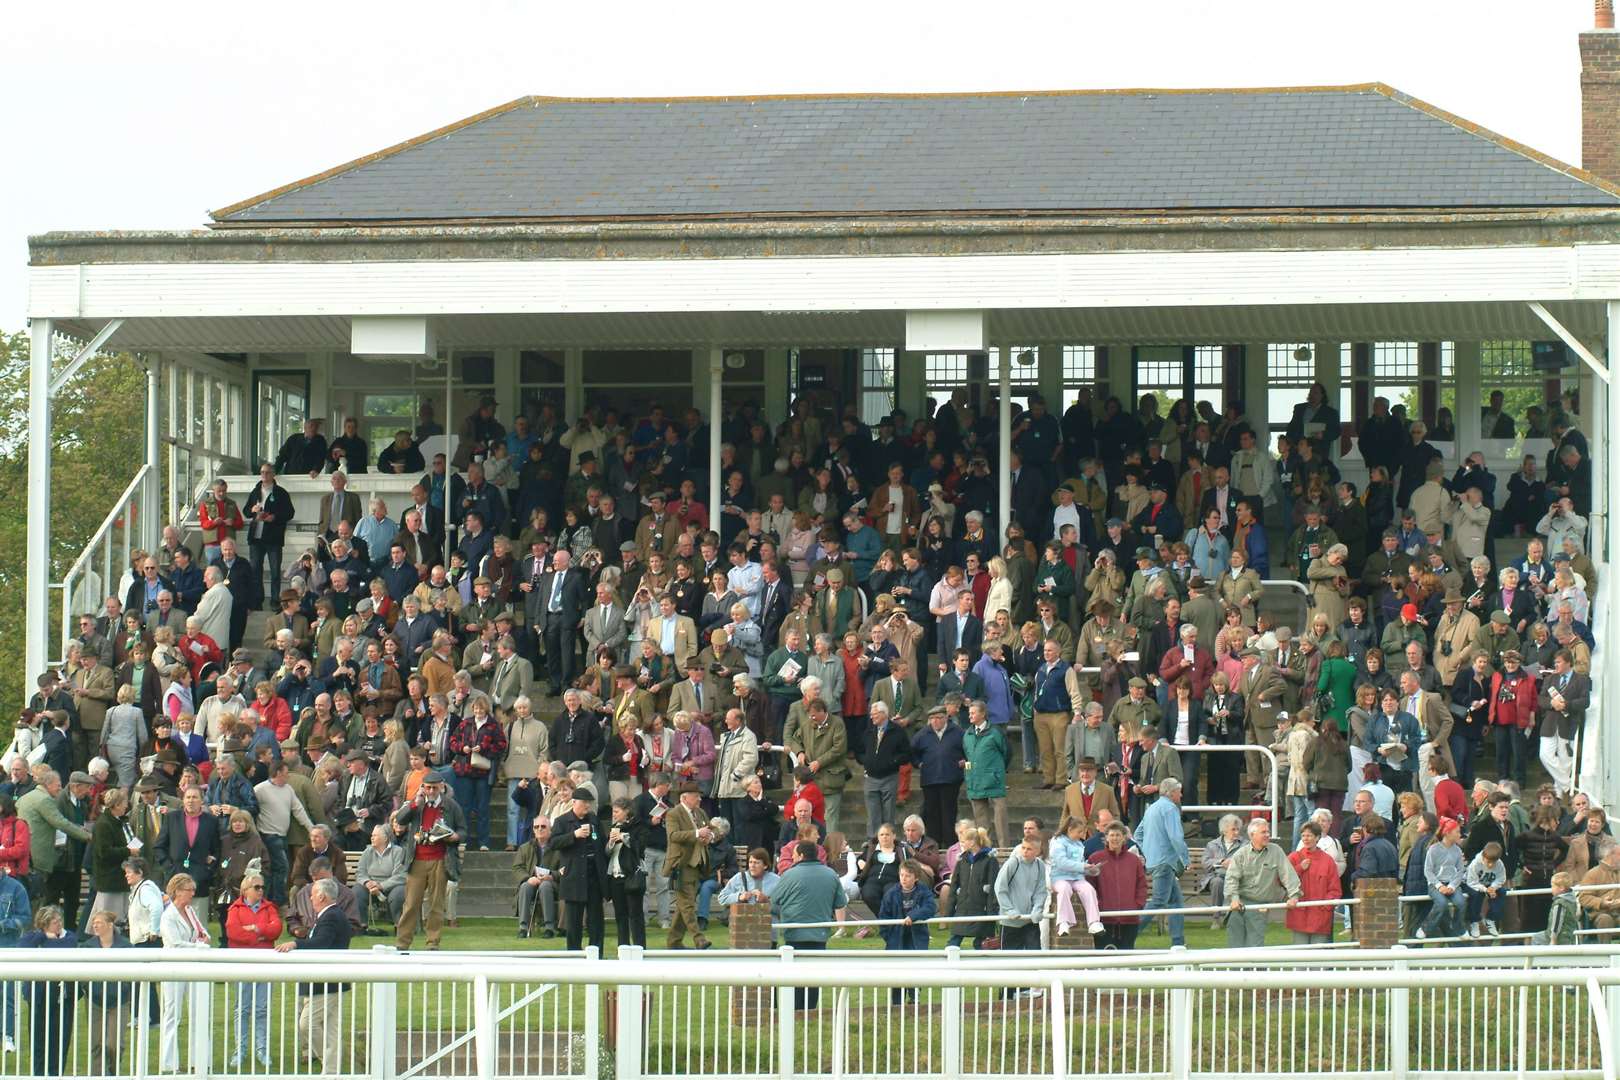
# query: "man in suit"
{"points": [[1262, 689], [1565, 695], [887, 748], [513, 677], [1434, 713], [1154, 765], [1289, 662], [189, 844], [429, 518], [1086, 797], [431, 827], [214, 612], [579, 842], [774, 602], [686, 863], [676, 635], [244, 588], [320, 1011], [657, 530], [94, 692], [267, 509], [963, 630], [698, 695], [900, 692], [553, 609], [604, 625], [422, 548], [42, 812], [960, 678], [337, 505]]}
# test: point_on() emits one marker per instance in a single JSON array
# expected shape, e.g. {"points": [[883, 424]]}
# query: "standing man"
{"points": [[431, 827], [1258, 873], [581, 869], [1164, 849], [555, 607], [687, 863], [320, 1022], [1565, 695], [937, 753], [43, 814], [267, 510], [886, 750], [808, 892]]}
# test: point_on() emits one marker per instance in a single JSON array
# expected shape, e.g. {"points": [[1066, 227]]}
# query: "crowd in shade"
{"points": [[814, 691]]}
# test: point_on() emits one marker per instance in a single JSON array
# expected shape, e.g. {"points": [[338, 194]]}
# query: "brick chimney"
{"points": [[1600, 94]]}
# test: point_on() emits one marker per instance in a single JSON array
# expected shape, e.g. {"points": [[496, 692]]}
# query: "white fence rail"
{"points": [[1285, 1013]]}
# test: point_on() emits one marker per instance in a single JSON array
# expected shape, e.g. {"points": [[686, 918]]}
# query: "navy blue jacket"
{"points": [[938, 756]]}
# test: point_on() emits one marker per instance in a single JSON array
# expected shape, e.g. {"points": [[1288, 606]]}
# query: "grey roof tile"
{"points": [[1357, 147]]}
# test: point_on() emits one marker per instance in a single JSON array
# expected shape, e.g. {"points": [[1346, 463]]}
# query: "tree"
{"points": [[98, 442]]}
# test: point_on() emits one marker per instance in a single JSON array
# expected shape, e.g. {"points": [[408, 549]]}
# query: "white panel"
{"points": [[945, 331], [893, 283], [53, 292], [391, 335]]}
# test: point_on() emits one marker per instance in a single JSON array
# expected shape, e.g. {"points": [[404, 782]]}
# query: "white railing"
{"points": [[1285, 1013], [82, 589]]}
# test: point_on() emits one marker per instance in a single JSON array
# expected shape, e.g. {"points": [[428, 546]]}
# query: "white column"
{"points": [[910, 380], [1607, 745], [152, 495], [717, 367], [777, 389], [1004, 441], [1595, 403], [1466, 404], [1050, 359], [36, 591], [1255, 400]]}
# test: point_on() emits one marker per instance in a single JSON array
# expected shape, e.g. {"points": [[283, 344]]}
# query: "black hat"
{"points": [[587, 456], [585, 795]]}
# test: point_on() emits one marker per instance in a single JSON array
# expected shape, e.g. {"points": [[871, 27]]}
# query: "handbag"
{"points": [[770, 772], [479, 761]]}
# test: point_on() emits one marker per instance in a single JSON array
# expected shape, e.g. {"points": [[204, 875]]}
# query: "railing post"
{"points": [[483, 1027], [1611, 1000], [627, 1036], [593, 1021], [200, 1036], [1400, 1015], [950, 1009], [1181, 1034], [1058, 1007], [383, 1020], [143, 1020], [1522, 1032], [786, 1058]]}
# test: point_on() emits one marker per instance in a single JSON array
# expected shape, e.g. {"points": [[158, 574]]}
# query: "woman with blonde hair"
{"points": [[1000, 596], [181, 927], [111, 842], [123, 732]]}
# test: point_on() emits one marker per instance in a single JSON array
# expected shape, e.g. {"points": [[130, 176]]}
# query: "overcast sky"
{"points": [[133, 116]]}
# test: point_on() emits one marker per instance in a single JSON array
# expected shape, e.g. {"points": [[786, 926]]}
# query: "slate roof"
{"points": [[1328, 148]]}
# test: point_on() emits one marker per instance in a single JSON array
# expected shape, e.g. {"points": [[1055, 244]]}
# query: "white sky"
{"points": [[128, 116]]}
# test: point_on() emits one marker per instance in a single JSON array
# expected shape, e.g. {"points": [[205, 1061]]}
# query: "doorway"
{"points": [[280, 405]]}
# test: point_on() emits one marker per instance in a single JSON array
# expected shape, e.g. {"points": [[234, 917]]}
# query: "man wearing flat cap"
{"points": [[1262, 689], [580, 843], [431, 827], [1159, 522], [687, 862]]}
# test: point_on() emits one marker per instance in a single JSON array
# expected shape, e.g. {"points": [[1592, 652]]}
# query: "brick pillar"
{"points": [[751, 929], [1076, 938], [1378, 916], [1600, 102]]}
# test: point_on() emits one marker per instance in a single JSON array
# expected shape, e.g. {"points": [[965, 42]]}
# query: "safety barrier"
{"points": [[1295, 1012]]}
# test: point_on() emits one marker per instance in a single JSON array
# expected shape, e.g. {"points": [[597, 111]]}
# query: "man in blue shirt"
{"points": [[1164, 849]]}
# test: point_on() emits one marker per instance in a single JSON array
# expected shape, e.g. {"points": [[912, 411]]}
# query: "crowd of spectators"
{"points": [[673, 697]]}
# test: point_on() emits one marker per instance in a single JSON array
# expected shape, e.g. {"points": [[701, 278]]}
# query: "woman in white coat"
{"points": [[180, 927]]}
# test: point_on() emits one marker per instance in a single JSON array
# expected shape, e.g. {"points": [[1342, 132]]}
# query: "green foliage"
{"points": [[98, 441]]}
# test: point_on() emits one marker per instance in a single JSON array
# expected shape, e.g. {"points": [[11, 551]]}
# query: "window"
{"points": [[1161, 370], [1209, 376], [1506, 366], [877, 384], [1079, 371], [542, 380], [630, 382], [1290, 371]]}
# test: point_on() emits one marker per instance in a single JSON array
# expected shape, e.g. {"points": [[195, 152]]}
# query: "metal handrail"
{"points": [[98, 541]]}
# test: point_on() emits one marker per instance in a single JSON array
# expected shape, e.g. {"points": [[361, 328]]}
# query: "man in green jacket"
{"points": [[54, 871], [1258, 873], [985, 754], [782, 687], [822, 746]]}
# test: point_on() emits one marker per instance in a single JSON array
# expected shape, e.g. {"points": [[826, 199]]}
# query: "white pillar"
{"points": [[1004, 441], [1608, 744], [1595, 403], [1256, 402], [36, 591], [152, 496], [777, 390], [910, 384], [1050, 359], [717, 367], [1466, 401]]}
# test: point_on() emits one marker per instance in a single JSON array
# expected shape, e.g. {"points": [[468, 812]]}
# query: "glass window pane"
{"points": [[475, 369], [1079, 364], [663, 367], [877, 368], [535, 366]]}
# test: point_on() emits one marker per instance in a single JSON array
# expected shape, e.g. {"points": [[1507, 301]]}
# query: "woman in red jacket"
{"points": [[273, 711], [14, 840], [1120, 879], [1513, 717], [1318, 880], [252, 923]]}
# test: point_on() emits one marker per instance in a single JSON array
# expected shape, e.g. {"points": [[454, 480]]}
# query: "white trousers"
{"points": [[1426, 780], [1558, 758]]}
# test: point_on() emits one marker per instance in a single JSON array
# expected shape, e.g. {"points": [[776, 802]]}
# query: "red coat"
{"points": [[206, 651], [810, 793], [275, 715], [1201, 672], [218, 521], [266, 923], [14, 846], [1320, 882], [1449, 800], [1122, 885], [1520, 706]]}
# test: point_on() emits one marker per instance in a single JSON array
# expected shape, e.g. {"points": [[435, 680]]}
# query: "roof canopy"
{"points": [[1357, 147]]}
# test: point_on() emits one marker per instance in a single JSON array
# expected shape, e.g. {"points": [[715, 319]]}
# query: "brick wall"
{"points": [[1600, 103], [1378, 916], [751, 929]]}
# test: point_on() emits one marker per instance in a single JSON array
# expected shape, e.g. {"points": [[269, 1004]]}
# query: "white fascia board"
{"points": [[909, 282]]}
